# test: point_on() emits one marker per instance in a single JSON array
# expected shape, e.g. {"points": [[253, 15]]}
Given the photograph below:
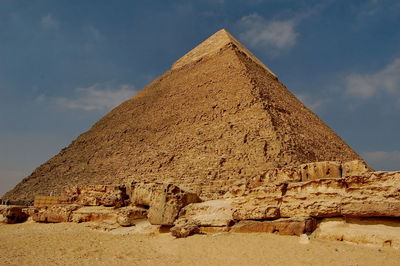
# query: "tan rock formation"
{"points": [[184, 228], [94, 214], [128, 215], [372, 194], [372, 231], [318, 170], [286, 226], [219, 116], [54, 213], [355, 167], [208, 213], [12, 214], [95, 195], [317, 198], [164, 200]]}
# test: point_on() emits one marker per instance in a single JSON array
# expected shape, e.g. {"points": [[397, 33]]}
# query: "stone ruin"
{"points": [[319, 199], [216, 144]]}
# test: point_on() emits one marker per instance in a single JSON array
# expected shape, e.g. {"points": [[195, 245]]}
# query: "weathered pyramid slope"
{"points": [[217, 117]]}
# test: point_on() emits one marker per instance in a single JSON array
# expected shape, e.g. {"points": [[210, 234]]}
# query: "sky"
{"points": [[66, 63]]}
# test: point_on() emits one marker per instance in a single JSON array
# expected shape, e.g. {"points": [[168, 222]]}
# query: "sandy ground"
{"points": [[74, 244]]}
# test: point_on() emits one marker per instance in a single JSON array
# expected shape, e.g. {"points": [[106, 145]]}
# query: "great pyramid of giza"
{"points": [[216, 117]]}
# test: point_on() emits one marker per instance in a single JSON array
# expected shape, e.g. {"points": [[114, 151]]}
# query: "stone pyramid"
{"points": [[217, 117]]}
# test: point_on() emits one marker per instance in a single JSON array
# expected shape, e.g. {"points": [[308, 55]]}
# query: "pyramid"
{"points": [[217, 117]]}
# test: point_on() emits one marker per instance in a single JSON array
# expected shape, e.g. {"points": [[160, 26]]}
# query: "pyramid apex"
{"points": [[211, 46]]}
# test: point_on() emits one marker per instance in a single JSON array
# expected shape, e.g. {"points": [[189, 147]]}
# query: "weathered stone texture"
{"points": [[54, 213], [128, 215], [12, 214], [372, 194], [209, 213], [291, 226], [184, 228], [318, 170], [164, 200], [317, 198], [382, 232], [355, 167], [95, 195], [94, 214]]}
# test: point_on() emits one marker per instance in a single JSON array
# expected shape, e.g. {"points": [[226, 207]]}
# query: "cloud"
{"points": [[96, 97], [386, 80], [271, 36], [49, 22], [383, 160], [310, 101]]}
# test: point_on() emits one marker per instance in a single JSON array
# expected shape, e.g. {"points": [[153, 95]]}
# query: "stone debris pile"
{"points": [[288, 206]]}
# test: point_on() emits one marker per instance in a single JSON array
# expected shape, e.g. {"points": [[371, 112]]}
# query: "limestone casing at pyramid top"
{"points": [[211, 46]]}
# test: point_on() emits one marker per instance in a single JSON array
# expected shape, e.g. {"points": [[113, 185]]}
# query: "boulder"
{"points": [[291, 226], [13, 214], [54, 213], [318, 170], [95, 195], [128, 215], [164, 200], [184, 228]]}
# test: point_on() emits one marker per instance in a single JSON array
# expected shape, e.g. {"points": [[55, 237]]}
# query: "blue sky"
{"points": [[66, 63]]}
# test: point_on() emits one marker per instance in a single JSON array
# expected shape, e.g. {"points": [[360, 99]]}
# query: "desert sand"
{"points": [[75, 244]]}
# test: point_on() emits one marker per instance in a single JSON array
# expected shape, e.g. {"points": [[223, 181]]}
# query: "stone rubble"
{"points": [[290, 207]]}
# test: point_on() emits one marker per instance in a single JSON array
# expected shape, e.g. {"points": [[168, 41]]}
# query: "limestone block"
{"points": [[316, 198], [291, 174], [354, 167], [291, 226], [184, 228], [317, 170], [95, 195], [54, 213], [380, 232], [372, 194], [209, 213], [213, 229], [94, 214], [164, 200], [256, 207], [128, 215]]}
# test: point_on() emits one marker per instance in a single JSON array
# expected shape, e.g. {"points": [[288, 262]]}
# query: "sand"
{"points": [[75, 244]]}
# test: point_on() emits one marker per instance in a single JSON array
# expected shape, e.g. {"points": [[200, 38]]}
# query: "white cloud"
{"points": [[310, 101], [49, 22], [386, 80], [96, 97], [271, 36], [383, 160]]}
